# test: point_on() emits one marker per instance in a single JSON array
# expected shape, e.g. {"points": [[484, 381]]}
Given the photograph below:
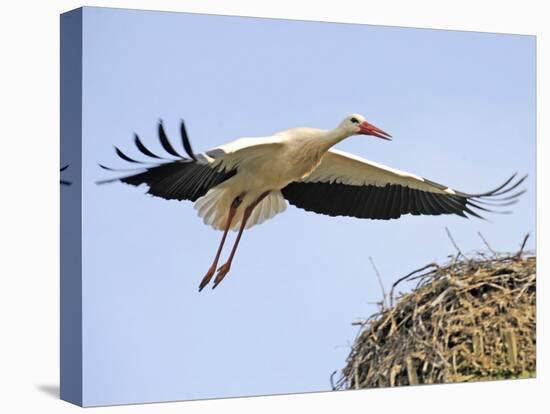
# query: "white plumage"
{"points": [[214, 205]]}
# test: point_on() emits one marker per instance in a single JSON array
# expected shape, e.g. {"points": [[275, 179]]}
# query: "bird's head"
{"points": [[356, 124]]}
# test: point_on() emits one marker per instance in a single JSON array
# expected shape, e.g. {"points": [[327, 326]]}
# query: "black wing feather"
{"points": [[125, 157], [165, 143], [181, 179], [393, 200], [143, 149], [186, 143]]}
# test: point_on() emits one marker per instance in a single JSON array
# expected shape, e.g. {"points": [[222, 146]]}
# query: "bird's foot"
{"points": [[207, 277], [222, 271]]}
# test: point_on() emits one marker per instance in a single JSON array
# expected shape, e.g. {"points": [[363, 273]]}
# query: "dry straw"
{"points": [[470, 319]]}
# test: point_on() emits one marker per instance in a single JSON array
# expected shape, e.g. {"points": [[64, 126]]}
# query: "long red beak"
{"points": [[368, 129]]}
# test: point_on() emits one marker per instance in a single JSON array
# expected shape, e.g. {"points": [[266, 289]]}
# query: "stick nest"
{"points": [[471, 319]]}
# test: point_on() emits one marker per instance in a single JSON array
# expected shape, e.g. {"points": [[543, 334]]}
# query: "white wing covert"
{"points": [[347, 185]]}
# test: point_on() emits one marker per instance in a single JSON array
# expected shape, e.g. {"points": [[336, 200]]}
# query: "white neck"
{"points": [[334, 136]]}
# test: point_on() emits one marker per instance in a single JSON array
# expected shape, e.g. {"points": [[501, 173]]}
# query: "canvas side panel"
{"points": [[71, 208]]}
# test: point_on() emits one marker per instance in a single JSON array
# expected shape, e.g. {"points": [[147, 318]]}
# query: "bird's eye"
{"points": [[354, 120]]}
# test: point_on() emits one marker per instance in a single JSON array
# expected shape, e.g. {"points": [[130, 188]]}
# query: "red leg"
{"points": [[212, 270], [224, 269]]}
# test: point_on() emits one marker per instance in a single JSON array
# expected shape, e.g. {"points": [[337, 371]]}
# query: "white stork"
{"points": [[245, 182]]}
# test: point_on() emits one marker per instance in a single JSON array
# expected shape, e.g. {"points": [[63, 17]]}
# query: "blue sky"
{"points": [[461, 109]]}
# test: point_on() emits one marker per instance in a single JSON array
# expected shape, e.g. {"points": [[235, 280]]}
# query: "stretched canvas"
{"points": [[382, 199]]}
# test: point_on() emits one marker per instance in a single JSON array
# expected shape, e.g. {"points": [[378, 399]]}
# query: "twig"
{"points": [[454, 243], [379, 282], [486, 243], [332, 380], [356, 374], [407, 276], [520, 253]]}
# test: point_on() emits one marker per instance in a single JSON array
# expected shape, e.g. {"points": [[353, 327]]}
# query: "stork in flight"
{"points": [[246, 182]]}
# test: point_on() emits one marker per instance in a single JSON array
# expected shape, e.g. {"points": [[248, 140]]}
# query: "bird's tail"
{"points": [[214, 206]]}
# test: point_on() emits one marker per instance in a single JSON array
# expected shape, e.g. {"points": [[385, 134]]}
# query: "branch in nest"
{"points": [[486, 243], [454, 243], [520, 253], [379, 282], [434, 265]]}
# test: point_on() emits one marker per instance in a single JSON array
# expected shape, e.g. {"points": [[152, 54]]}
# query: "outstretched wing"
{"points": [[347, 185], [173, 179]]}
